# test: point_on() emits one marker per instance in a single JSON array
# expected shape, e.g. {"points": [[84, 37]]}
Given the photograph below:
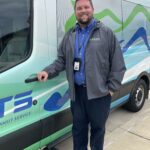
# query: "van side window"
{"points": [[15, 30]]}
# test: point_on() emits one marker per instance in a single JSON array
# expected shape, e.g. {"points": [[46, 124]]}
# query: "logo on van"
{"points": [[22, 102], [56, 101]]}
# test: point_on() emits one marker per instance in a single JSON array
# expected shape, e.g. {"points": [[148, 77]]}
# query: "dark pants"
{"points": [[94, 112]]}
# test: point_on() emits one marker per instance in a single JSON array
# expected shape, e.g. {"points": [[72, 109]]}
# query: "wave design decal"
{"points": [[138, 9], [140, 33], [70, 22], [73, 2], [56, 101], [106, 12]]}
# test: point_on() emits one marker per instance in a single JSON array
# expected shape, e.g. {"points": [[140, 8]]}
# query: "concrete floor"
{"points": [[124, 131]]}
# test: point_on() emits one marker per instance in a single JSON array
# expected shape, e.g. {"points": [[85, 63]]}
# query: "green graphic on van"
{"points": [[138, 9], [140, 33], [106, 12]]}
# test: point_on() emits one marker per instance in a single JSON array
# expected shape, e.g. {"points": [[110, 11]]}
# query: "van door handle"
{"points": [[29, 80], [33, 79]]}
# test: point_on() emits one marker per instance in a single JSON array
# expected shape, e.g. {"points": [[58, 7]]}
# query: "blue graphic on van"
{"points": [[56, 101], [140, 33], [21, 101]]}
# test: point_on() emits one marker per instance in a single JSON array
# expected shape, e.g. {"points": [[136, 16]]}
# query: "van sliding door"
{"points": [[55, 113]]}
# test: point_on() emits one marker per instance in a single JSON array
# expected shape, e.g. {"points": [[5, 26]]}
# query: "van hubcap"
{"points": [[139, 97]]}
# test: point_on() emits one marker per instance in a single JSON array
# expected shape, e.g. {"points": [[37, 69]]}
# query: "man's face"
{"points": [[84, 11]]}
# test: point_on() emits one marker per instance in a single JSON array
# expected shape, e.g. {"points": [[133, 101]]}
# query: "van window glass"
{"points": [[15, 24]]}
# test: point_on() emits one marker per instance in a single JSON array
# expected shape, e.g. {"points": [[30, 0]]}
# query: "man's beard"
{"points": [[80, 21]]}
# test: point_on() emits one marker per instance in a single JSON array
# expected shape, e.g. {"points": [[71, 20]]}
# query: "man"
{"points": [[94, 65]]}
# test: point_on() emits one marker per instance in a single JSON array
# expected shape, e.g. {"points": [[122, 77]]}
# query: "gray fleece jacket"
{"points": [[104, 63]]}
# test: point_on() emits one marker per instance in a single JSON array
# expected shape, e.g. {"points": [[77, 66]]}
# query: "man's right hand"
{"points": [[42, 76]]}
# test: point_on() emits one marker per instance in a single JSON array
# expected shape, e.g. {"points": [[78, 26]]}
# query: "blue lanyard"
{"points": [[79, 51]]}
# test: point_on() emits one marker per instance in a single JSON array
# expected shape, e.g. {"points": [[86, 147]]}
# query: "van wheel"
{"points": [[137, 97]]}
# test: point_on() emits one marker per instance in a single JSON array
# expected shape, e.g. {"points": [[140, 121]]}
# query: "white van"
{"points": [[33, 114]]}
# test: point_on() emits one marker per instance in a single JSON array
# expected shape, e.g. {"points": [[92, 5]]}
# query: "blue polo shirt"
{"points": [[81, 40]]}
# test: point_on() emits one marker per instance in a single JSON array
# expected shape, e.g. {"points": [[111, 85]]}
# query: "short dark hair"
{"points": [[79, 0]]}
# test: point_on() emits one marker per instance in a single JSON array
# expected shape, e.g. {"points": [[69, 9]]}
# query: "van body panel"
{"points": [[35, 114]]}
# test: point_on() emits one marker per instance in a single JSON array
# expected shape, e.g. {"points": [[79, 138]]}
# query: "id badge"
{"points": [[77, 64]]}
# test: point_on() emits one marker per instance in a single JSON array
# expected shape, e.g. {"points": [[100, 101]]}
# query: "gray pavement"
{"points": [[125, 131]]}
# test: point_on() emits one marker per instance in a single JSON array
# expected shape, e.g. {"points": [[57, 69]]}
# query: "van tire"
{"points": [[137, 97]]}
